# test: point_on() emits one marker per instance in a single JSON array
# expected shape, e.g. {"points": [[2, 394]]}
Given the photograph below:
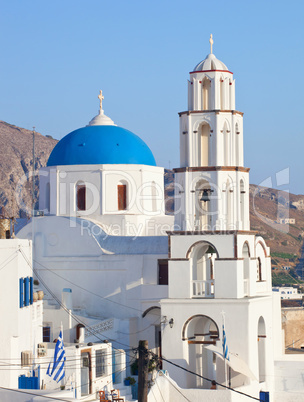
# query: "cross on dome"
{"points": [[211, 43], [101, 98]]}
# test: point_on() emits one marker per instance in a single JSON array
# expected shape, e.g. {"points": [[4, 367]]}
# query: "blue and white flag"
{"points": [[225, 347], [56, 367]]}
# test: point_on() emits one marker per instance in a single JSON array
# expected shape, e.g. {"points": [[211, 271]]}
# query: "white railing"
{"points": [[203, 288], [246, 287]]}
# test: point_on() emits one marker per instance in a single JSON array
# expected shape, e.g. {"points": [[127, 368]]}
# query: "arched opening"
{"points": [[222, 92], [48, 197], [202, 218], [201, 331], [229, 206], [202, 262], [122, 196], [204, 145], [259, 270], [226, 146], [80, 197], [242, 203], [206, 94], [262, 349], [151, 328], [246, 267], [237, 145]]}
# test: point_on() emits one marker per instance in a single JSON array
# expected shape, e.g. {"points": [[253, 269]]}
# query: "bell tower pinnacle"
{"points": [[211, 153]]}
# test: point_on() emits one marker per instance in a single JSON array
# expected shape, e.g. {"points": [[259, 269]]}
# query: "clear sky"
{"points": [[56, 55]]}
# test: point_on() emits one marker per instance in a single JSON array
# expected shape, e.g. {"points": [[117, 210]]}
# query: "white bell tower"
{"points": [[211, 153], [217, 266]]}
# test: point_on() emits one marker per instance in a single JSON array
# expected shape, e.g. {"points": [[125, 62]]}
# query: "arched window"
{"points": [[246, 267], [222, 92], [259, 269], [229, 205], [206, 94], [262, 349], [226, 146], [122, 197], [204, 145], [237, 145], [242, 202], [202, 219], [81, 197]]}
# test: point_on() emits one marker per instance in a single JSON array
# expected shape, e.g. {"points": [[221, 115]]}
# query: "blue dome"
{"points": [[101, 145]]}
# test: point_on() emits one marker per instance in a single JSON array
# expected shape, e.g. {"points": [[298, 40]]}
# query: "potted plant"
{"points": [[134, 367], [129, 381]]}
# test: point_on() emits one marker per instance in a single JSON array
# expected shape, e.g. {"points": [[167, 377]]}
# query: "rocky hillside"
{"points": [[267, 208], [16, 161]]}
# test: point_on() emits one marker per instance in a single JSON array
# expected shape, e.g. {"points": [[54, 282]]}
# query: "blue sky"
{"points": [[55, 56]]}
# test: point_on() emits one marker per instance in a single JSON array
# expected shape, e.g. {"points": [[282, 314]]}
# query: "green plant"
{"points": [[131, 380]]}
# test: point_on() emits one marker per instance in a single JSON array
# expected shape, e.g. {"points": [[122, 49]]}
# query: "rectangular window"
{"points": [[46, 334], [122, 197], [26, 291], [100, 363], [21, 294], [81, 197], [162, 272], [31, 290]]}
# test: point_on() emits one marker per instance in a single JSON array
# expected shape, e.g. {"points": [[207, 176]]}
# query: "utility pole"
{"points": [[143, 368]]}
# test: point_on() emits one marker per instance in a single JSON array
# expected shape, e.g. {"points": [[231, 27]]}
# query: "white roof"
{"points": [[210, 63]]}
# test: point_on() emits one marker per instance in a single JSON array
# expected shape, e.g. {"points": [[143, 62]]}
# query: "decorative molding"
{"points": [[212, 168], [216, 111]]}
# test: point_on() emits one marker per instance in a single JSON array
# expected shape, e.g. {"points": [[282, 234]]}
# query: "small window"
{"points": [[162, 272], [7, 234], [122, 197], [259, 270], [81, 197], [46, 334], [100, 363]]}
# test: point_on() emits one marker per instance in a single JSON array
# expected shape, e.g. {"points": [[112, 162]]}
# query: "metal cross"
{"points": [[101, 98], [211, 43]]}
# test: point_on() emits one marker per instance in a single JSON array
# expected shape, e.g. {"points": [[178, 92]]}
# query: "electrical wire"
{"points": [[87, 290], [92, 331], [177, 390], [200, 376]]}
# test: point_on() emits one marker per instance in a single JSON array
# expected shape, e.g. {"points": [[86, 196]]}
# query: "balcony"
{"points": [[203, 289]]}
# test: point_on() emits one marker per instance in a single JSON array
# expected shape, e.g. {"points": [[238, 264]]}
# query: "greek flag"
{"points": [[56, 367], [225, 347]]}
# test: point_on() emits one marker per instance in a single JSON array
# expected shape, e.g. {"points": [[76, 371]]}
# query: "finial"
{"points": [[211, 43], [101, 98]]}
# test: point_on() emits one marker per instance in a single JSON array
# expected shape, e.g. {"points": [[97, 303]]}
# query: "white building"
{"points": [[216, 264], [286, 292], [20, 311], [106, 237], [103, 233]]}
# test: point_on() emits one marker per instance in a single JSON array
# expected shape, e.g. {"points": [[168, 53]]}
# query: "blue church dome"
{"points": [[101, 144]]}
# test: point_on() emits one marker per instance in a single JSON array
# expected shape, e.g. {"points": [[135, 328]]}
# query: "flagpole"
{"points": [[223, 340]]}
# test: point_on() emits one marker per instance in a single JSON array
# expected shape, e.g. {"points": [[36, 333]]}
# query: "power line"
{"points": [[87, 290], [204, 378]]}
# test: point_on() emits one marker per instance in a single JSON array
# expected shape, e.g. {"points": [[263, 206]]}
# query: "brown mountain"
{"points": [[16, 162], [267, 206]]}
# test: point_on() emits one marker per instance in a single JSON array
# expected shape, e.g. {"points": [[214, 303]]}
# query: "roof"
{"points": [[101, 144], [210, 63]]}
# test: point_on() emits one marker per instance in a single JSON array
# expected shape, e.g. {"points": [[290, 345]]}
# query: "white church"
{"points": [[171, 280]]}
